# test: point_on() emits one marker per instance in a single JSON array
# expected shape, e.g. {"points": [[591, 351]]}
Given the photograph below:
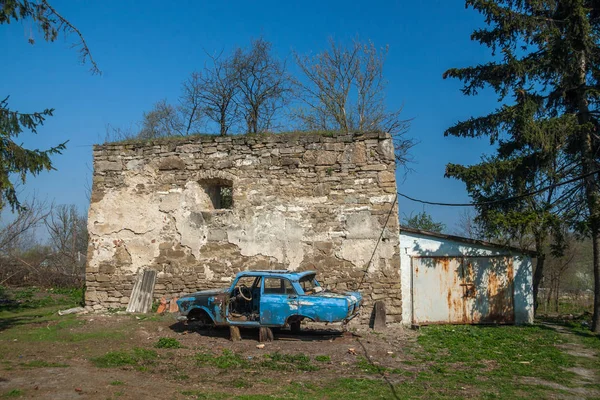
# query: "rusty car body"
{"points": [[274, 298]]}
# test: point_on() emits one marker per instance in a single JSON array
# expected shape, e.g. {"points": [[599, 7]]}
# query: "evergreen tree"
{"points": [[15, 160], [528, 219], [545, 73], [423, 221]]}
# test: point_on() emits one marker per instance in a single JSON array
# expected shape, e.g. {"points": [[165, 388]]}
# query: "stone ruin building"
{"points": [[199, 209]]}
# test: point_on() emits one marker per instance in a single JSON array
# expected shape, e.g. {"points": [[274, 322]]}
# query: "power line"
{"points": [[507, 199], [378, 241]]}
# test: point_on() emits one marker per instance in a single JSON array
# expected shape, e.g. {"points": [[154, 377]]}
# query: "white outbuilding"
{"points": [[454, 280]]}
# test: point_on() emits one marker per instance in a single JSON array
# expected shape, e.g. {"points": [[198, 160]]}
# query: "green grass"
{"points": [[274, 361], [226, 360], [168, 343], [137, 357], [279, 361], [54, 328], [20, 299], [13, 393], [196, 394], [492, 359], [42, 364], [212, 137], [372, 368], [36, 309], [585, 335], [443, 362]]}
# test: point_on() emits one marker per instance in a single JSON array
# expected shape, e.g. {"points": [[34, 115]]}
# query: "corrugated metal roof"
{"points": [[530, 253]]}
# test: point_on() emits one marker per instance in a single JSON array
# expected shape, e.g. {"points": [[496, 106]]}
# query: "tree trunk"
{"points": [[538, 275], [589, 165], [596, 318], [549, 296], [557, 295], [223, 123], [593, 204]]}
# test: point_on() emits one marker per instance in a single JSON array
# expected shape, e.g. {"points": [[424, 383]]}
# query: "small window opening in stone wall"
{"points": [[220, 193]]}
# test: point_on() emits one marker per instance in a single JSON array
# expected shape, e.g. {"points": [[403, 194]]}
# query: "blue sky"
{"points": [[145, 49]]}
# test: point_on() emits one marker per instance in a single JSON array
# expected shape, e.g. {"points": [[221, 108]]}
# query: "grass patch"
{"points": [[371, 368], [345, 388], [42, 364], [323, 358], [13, 393], [587, 337], [227, 360], [137, 357], [511, 350], [117, 383], [55, 328], [213, 137], [240, 383], [20, 299], [196, 394], [168, 343], [278, 361], [491, 359], [37, 309], [274, 361]]}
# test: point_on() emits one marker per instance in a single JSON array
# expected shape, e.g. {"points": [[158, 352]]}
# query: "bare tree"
{"points": [[17, 236], [264, 85], [344, 90], [161, 121], [217, 88], [168, 120], [467, 225], [117, 134], [68, 238]]}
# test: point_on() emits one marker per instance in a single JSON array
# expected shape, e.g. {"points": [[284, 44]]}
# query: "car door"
{"points": [[278, 300]]}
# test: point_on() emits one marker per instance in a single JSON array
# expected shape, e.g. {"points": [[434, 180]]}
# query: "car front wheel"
{"points": [[295, 326]]}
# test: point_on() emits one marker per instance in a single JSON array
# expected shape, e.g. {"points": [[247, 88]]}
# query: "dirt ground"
{"points": [[62, 367], [123, 356]]}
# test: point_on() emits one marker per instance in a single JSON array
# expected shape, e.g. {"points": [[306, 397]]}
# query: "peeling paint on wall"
{"points": [[299, 202]]}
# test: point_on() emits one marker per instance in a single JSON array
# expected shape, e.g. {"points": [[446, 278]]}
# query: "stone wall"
{"points": [[300, 201]]}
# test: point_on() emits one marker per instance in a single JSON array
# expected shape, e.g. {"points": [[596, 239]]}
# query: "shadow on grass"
{"points": [[382, 374], [576, 326], [305, 334], [25, 316]]}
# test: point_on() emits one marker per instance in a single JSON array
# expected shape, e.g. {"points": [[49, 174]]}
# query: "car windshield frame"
{"points": [[311, 280]]}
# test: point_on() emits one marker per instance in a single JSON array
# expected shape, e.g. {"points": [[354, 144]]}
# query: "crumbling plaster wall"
{"points": [[301, 201]]}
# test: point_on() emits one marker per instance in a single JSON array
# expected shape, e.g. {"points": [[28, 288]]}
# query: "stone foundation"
{"points": [[299, 201]]}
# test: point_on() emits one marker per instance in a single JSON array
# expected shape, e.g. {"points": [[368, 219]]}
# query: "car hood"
{"points": [[352, 296], [208, 292]]}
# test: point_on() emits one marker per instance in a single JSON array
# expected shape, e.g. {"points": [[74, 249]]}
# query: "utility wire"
{"points": [[378, 240], [507, 199]]}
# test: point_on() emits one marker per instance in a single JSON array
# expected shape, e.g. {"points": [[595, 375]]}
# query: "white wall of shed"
{"points": [[523, 286], [416, 245]]}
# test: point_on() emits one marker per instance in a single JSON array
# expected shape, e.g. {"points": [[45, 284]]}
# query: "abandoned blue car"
{"points": [[270, 299]]}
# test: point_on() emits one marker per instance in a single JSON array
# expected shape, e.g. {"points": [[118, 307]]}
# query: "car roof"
{"points": [[281, 273]]}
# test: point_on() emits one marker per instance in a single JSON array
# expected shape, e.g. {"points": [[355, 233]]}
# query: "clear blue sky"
{"points": [[146, 48]]}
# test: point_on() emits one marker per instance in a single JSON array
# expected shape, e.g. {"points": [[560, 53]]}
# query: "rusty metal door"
{"points": [[489, 282], [462, 290]]}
